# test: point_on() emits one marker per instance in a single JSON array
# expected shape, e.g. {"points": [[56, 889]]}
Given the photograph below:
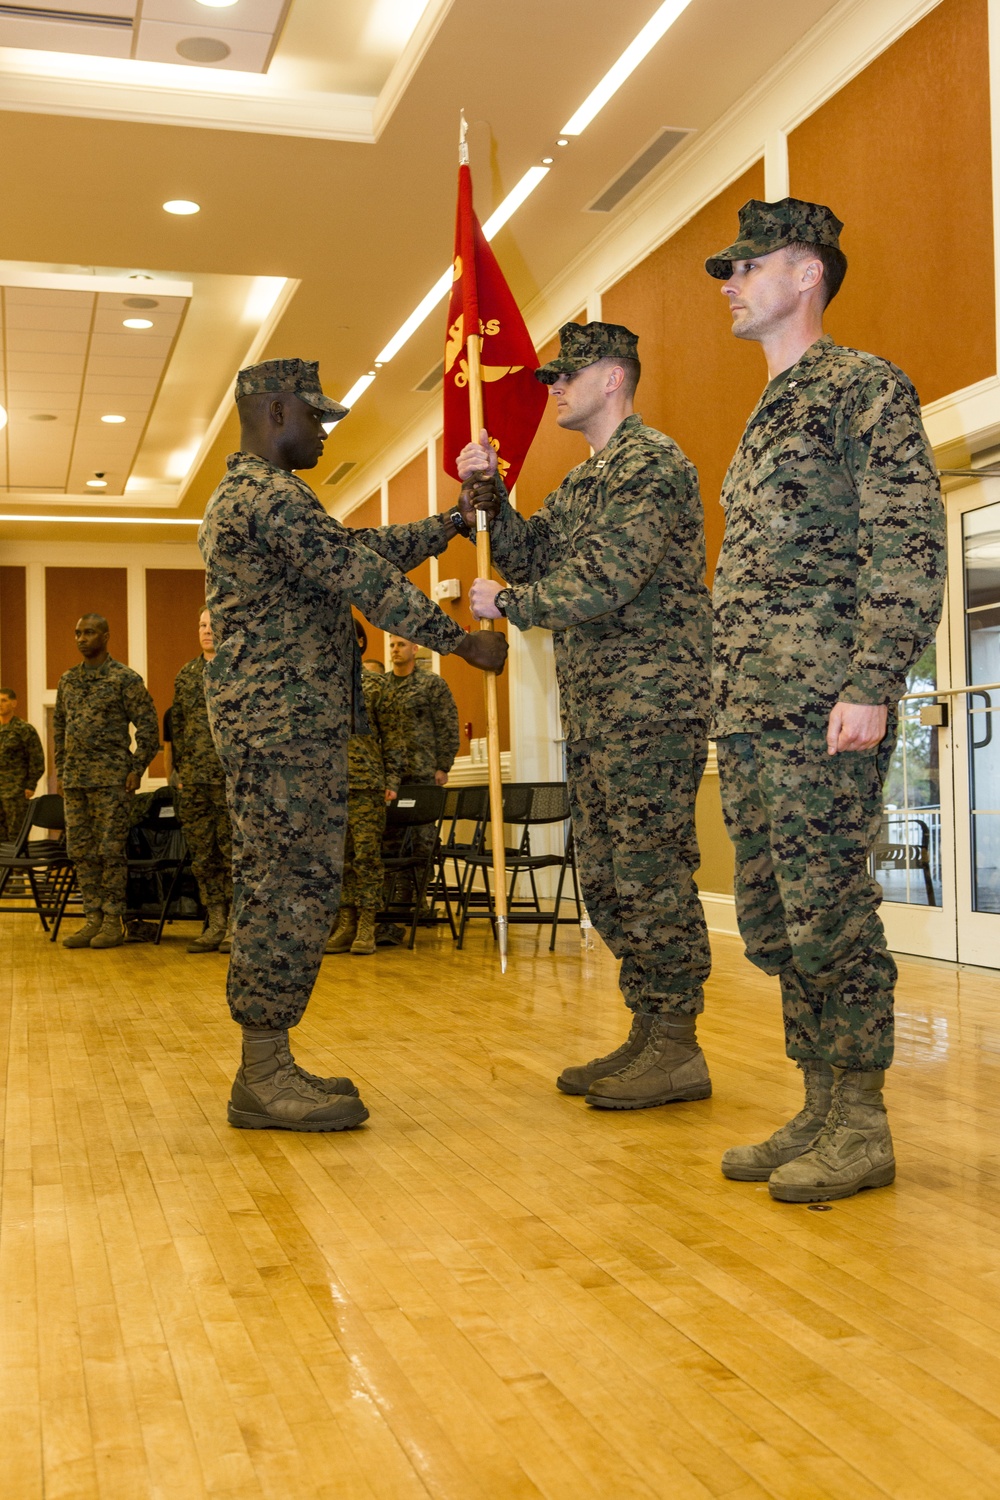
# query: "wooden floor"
{"points": [[490, 1290]]}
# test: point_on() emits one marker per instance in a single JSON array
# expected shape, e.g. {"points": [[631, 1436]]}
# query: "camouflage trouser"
{"points": [[13, 806], [288, 805], [363, 851], [632, 801], [96, 830], [202, 810], [804, 823]]}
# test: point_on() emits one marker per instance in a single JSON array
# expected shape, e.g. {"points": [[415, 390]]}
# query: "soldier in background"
{"points": [[284, 694], [96, 703], [372, 664], [614, 565], [828, 588], [22, 762], [374, 771], [200, 791]]}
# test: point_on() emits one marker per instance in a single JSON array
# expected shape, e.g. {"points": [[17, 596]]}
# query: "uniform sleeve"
{"points": [[901, 541], [407, 545], [523, 548], [59, 731], [177, 723], [142, 713], [330, 554], [392, 735], [611, 559], [446, 738], [35, 758]]}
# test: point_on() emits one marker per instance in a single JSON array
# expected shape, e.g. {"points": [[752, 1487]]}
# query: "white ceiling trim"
{"points": [[109, 88]]}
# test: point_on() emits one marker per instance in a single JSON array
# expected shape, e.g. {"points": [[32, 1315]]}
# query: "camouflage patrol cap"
{"points": [[580, 347], [770, 226], [298, 377]]}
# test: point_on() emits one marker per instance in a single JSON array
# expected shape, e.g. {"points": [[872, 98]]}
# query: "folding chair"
{"points": [[463, 805], [527, 806], [415, 808], [157, 855], [43, 863]]}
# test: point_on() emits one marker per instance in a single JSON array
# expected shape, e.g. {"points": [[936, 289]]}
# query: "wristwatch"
{"points": [[503, 600], [459, 522]]}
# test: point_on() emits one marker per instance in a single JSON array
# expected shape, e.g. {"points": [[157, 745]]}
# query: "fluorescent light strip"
{"points": [[357, 389], [422, 311], [514, 199], [658, 24], [109, 520]]}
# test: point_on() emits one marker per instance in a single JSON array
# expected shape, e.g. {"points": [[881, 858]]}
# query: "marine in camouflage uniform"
{"points": [[96, 703], [829, 587], [22, 762], [284, 693], [614, 565], [201, 801]]}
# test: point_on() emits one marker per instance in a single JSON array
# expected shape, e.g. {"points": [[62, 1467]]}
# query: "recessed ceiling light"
{"points": [[182, 206], [217, 4], [97, 484], [562, 143], [137, 323], [3, 416], [546, 161], [112, 418]]}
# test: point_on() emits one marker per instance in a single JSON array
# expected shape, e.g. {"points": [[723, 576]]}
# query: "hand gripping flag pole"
{"points": [[481, 310]]}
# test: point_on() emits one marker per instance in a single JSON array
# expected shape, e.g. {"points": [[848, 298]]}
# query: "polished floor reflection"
{"points": [[489, 1291]]}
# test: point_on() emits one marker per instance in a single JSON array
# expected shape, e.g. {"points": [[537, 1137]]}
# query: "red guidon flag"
{"points": [[481, 302]]}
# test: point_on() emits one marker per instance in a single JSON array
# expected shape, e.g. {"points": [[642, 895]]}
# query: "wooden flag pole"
{"points": [[484, 566]]}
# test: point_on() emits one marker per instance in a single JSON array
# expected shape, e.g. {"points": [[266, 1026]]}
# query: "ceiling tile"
{"points": [[247, 15], [130, 346], [158, 41], [57, 36], [43, 316], [45, 341], [48, 364]]}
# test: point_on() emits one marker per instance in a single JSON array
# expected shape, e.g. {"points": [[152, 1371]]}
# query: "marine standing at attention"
{"points": [[829, 587], [284, 694], [614, 565], [22, 762], [200, 794], [98, 772]]}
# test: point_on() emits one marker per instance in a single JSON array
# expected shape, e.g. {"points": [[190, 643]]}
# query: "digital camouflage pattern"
{"points": [[583, 346], [195, 756], [204, 814], [428, 719], [830, 581], [97, 823], [632, 798], [281, 576], [22, 761], [770, 226], [289, 814], [803, 823], [375, 760], [363, 871], [614, 565], [95, 707], [295, 377]]}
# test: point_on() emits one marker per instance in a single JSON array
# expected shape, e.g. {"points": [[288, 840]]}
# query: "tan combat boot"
{"points": [[269, 1094], [364, 942], [82, 936], [342, 936], [209, 940], [851, 1152], [226, 946], [112, 933], [670, 1068], [328, 1085], [756, 1163], [578, 1080]]}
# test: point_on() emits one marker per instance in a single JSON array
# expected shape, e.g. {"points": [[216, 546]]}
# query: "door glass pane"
{"points": [[907, 858], [981, 556]]}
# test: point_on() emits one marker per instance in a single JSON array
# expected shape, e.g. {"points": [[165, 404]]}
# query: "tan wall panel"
{"points": [[408, 502], [369, 513], [14, 635], [699, 384], [72, 592], [175, 598], [902, 155]]}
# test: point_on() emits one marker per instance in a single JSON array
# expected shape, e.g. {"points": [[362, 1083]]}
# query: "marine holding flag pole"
{"points": [[482, 310]]}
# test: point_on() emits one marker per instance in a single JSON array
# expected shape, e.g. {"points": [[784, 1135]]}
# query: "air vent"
{"points": [[649, 157], [73, 17], [431, 381], [341, 471]]}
